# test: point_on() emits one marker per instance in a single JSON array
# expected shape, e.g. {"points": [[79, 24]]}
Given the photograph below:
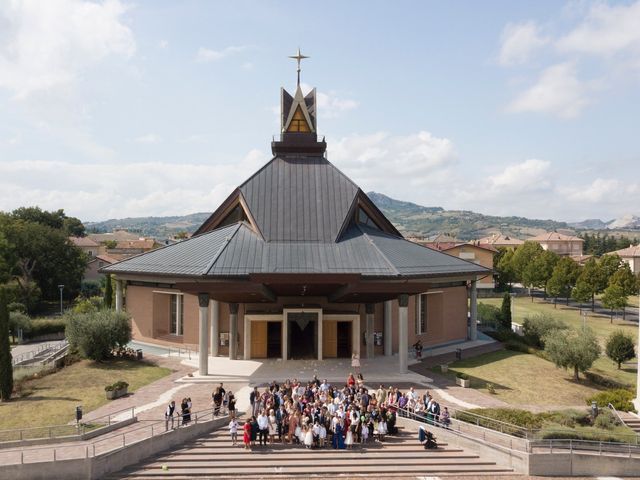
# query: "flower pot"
{"points": [[464, 383], [111, 394], [444, 368]]}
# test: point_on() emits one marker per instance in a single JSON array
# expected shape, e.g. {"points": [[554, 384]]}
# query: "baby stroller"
{"points": [[427, 439]]}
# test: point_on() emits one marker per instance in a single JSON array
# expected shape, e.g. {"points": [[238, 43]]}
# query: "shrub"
{"points": [[489, 315], [570, 418], [17, 307], [604, 381], [462, 376], [47, 326], [119, 385], [90, 288], [619, 347], [505, 312], [606, 420], [567, 434], [621, 399], [97, 334], [87, 305], [19, 321], [538, 326], [491, 388], [520, 418], [519, 346]]}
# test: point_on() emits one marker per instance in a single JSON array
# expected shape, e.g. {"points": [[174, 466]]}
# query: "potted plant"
{"points": [[116, 390], [463, 380]]}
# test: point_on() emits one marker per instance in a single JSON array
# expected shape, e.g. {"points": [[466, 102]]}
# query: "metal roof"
{"points": [[237, 250], [299, 198]]}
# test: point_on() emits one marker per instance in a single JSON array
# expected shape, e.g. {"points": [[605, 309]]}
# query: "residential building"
{"points": [[87, 245], [480, 254], [559, 243], [498, 240], [631, 256]]}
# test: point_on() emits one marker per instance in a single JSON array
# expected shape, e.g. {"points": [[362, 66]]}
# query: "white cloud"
{"points": [[45, 45], [530, 175], [558, 91], [606, 30], [329, 104], [604, 190], [519, 42], [149, 138], [163, 44], [394, 163], [206, 55], [98, 190]]}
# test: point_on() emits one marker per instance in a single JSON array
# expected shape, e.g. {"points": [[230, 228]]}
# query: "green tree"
{"points": [[503, 266], [563, 279], [108, 292], [572, 349], [589, 282], [110, 244], [6, 367], [608, 265], [619, 347], [614, 298], [505, 312], [57, 220], [538, 272], [581, 293], [97, 334], [625, 279], [523, 256]]}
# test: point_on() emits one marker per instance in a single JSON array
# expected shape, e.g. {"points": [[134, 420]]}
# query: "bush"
{"points": [[536, 327], [606, 420], [19, 321], [620, 347], [579, 435], [570, 418], [90, 288], [119, 385], [489, 315], [462, 376], [514, 416], [491, 388], [17, 307], [604, 381], [87, 305], [620, 398], [47, 326], [97, 334], [505, 312]]}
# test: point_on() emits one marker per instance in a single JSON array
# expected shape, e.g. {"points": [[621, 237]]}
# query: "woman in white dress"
{"points": [[348, 441], [272, 426], [382, 428], [355, 362], [308, 436]]}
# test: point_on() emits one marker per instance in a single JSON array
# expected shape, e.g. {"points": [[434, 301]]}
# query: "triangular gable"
{"points": [[298, 104], [233, 210]]}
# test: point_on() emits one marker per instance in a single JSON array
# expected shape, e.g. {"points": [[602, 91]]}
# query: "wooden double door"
{"points": [[266, 339], [336, 339]]}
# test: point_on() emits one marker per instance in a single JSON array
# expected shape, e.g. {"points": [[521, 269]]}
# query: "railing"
{"points": [[30, 355], [60, 431], [105, 444], [556, 445], [492, 424]]}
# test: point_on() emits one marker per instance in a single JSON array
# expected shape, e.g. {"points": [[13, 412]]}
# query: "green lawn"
{"points": [[523, 379], [523, 306], [52, 399]]}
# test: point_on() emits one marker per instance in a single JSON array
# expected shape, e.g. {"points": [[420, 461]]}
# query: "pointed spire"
{"points": [[298, 57]]}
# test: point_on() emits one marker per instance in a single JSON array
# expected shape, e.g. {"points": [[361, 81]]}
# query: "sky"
{"points": [[118, 108]]}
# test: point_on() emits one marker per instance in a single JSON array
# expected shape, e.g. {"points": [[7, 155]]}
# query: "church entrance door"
{"points": [[303, 334], [344, 339]]}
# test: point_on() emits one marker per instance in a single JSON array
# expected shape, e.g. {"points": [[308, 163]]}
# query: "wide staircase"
{"points": [[400, 455], [632, 421]]}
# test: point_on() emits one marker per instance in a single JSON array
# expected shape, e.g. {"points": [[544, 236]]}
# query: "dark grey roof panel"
{"points": [[299, 198], [409, 258], [190, 257]]}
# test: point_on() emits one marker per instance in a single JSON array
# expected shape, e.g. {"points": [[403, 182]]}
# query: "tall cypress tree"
{"points": [[108, 293], [6, 368], [505, 312]]}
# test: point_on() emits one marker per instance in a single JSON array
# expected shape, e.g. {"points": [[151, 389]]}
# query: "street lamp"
{"points": [[61, 287]]}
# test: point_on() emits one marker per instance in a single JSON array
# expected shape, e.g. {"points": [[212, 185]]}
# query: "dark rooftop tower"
{"points": [[298, 134]]}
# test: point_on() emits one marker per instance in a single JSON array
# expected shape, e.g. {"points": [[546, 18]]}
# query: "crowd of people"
{"points": [[317, 414]]}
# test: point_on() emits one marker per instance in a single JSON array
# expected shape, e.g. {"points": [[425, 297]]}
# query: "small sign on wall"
{"points": [[377, 339], [224, 339]]}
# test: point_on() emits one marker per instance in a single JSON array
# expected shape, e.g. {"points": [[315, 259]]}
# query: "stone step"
{"points": [[313, 455], [307, 470], [299, 449]]}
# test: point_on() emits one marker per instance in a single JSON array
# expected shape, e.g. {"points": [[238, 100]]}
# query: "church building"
{"points": [[298, 263]]}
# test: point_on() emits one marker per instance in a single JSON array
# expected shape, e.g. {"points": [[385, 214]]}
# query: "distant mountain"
{"points": [[415, 220], [156, 227], [590, 224], [629, 222]]}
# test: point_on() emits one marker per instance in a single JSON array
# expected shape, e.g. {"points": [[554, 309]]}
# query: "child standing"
{"points": [[247, 434], [233, 430]]}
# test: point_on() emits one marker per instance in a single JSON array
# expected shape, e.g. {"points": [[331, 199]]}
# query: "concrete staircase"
{"points": [[631, 420], [401, 455]]}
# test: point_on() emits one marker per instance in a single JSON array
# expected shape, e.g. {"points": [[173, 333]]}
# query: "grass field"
{"points": [[53, 399], [523, 379], [523, 306]]}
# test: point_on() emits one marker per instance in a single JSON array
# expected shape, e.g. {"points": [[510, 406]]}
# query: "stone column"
{"points": [[247, 339], [355, 335], [403, 332], [233, 331], [285, 337], [370, 310], [473, 311], [119, 299], [388, 335], [203, 334], [320, 336], [636, 402], [215, 327]]}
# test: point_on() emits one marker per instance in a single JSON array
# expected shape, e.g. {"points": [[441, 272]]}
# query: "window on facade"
{"points": [[421, 317], [365, 219], [176, 314], [298, 122]]}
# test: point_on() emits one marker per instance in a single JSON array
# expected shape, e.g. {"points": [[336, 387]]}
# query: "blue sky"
{"points": [[115, 108]]}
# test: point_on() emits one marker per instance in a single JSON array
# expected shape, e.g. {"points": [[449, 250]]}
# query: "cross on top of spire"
{"points": [[298, 57]]}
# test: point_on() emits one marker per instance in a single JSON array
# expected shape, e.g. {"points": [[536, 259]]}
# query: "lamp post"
{"points": [[61, 287]]}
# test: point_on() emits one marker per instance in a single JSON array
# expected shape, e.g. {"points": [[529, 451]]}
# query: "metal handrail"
{"points": [[39, 349], [561, 445], [505, 425]]}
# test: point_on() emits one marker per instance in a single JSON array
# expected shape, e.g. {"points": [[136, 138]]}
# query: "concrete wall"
{"points": [[583, 464]]}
